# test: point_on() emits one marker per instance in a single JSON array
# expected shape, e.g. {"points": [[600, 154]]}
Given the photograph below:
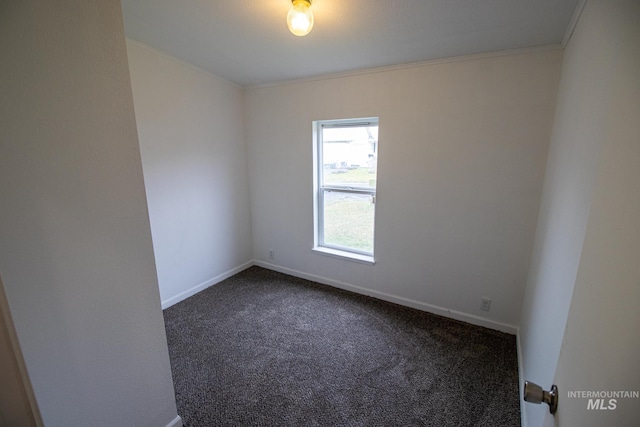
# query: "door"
{"points": [[598, 372]]}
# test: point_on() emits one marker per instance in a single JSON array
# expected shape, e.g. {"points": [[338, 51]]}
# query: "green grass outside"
{"points": [[348, 221]]}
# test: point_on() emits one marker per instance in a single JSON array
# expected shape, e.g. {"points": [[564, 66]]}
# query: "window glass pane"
{"points": [[350, 156], [348, 220]]}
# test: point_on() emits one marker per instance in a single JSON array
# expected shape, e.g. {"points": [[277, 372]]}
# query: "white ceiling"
{"points": [[247, 41]]}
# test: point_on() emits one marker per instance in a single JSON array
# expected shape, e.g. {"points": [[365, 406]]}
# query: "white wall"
{"points": [[76, 255], [463, 146], [191, 130], [601, 342]]}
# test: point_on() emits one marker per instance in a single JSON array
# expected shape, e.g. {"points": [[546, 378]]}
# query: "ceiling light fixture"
{"points": [[300, 17]]}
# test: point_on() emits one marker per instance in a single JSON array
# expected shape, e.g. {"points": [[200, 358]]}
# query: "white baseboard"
{"points": [[177, 422], [523, 407], [430, 308], [204, 285]]}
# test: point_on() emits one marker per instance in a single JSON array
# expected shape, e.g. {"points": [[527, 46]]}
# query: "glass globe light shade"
{"points": [[300, 17]]}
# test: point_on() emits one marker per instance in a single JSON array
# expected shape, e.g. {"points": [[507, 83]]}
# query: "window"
{"points": [[345, 171]]}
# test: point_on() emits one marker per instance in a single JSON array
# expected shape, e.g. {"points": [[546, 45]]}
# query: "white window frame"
{"points": [[319, 189]]}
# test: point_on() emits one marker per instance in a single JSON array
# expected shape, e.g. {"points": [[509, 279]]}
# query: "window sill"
{"points": [[349, 256]]}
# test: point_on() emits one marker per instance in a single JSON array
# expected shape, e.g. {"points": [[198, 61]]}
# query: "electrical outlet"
{"points": [[485, 304], [272, 254]]}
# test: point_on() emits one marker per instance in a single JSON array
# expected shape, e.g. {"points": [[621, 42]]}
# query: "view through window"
{"points": [[346, 169]]}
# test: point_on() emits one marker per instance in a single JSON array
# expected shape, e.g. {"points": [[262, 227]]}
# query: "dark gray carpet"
{"points": [[266, 349]]}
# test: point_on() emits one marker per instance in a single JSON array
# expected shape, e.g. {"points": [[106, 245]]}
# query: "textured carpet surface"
{"points": [[266, 349]]}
